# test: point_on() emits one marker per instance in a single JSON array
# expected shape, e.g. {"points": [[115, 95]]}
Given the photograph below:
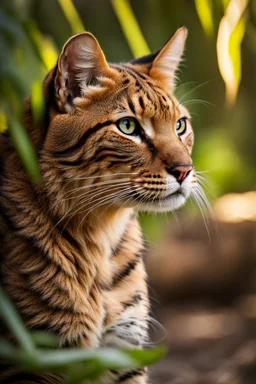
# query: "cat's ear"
{"points": [[81, 64], [167, 60]]}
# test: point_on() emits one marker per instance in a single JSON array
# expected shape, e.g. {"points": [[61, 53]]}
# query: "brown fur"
{"points": [[71, 253]]}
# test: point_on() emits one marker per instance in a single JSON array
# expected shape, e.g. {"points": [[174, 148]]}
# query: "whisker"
{"points": [[109, 198], [106, 182], [98, 202], [198, 200], [198, 101], [131, 196], [184, 84], [98, 176], [96, 185], [83, 201], [204, 171], [193, 89], [209, 209], [119, 195], [98, 188], [113, 234]]}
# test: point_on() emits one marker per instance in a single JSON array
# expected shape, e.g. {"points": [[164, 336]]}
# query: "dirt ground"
{"points": [[204, 296], [208, 344]]}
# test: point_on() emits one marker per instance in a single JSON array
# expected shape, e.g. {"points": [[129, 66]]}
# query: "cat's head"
{"points": [[116, 135]]}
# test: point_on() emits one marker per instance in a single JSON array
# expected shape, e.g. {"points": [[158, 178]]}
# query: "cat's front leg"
{"points": [[126, 324], [134, 376]]}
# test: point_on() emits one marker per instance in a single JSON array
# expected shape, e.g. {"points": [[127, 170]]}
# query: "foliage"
{"points": [[38, 352], [128, 22]]}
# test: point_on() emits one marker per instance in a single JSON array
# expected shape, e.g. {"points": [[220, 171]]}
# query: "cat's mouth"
{"points": [[160, 203], [168, 197]]}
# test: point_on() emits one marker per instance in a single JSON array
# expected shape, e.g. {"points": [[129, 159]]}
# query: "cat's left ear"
{"points": [[168, 59], [81, 64]]}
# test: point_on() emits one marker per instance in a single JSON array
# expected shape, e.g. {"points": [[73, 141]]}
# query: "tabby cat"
{"points": [[113, 140]]}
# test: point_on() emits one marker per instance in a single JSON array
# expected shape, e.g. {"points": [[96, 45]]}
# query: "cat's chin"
{"points": [[172, 203]]}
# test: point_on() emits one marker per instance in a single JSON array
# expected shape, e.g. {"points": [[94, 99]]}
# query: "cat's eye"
{"points": [[181, 126], [127, 125]]}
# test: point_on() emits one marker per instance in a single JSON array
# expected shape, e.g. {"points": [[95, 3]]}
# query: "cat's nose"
{"points": [[180, 171]]}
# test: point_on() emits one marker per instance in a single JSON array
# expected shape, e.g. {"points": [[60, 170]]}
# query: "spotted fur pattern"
{"points": [[71, 247]]}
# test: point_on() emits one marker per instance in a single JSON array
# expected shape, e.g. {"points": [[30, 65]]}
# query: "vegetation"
{"points": [[38, 352]]}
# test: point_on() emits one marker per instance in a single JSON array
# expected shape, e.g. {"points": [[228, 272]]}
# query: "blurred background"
{"points": [[201, 261]]}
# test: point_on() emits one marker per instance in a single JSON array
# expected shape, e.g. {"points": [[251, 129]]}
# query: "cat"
{"points": [[113, 140]]}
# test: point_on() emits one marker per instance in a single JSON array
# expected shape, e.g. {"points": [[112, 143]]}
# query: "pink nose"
{"points": [[180, 172]]}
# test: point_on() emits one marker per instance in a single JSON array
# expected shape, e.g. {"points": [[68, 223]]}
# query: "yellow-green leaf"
{"points": [[37, 101], [130, 27], [204, 11], [25, 148], [3, 121], [72, 15], [230, 35], [235, 41]]}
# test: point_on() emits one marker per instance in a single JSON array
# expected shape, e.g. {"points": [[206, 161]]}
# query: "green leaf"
{"points": [[146, 356], [78, 372], [12, 319], [37, 101], [72, 15], [230, 35], [107, 357], [3, 121], [44, 339], [130, 27], [24, 147], [204, 11], [234, 48], [44, 47]]}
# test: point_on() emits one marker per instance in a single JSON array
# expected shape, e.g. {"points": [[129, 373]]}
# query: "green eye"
{"points": [[127, 125], [181, 126]]}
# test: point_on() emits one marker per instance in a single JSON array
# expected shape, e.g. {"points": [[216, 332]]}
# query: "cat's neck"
{"points": [[99, 238], [104, 227]]}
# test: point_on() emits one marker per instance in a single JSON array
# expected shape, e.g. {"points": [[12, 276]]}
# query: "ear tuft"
{"points": [[168, 59], [80, 64]]}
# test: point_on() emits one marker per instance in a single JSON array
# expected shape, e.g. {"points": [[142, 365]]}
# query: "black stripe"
{"points": [[137, 74], [73, 163], [74, 243], [80, 160], [126, 271], [32, 240], [149, 143], [106, 151], [130, 70], [141, 102], [84, 138], [133, 301], [132, 108], [119, 246], [114, 156], [131, 374], [22, 378]]}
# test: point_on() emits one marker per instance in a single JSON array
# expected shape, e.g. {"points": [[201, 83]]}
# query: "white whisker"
{"points": [[198, 101], [193, 89]]}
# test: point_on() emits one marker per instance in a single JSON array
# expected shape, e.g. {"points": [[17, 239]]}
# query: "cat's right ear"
{"points": [[81, 64], [163, 64]]}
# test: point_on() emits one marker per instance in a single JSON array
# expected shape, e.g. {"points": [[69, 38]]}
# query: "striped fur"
{"points": [[71, 247]]}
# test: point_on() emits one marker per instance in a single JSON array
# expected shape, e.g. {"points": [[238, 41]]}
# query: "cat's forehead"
{"points": [[132, 93], [148, 99]]}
